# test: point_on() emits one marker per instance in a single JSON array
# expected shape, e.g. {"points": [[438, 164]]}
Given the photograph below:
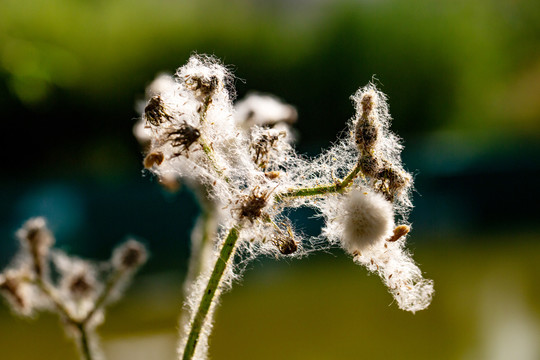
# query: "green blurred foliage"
{"points": [[463, 65]]}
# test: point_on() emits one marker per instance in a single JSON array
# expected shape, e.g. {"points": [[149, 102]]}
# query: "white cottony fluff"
{"points": [[242, 159], [397, 269], [259, 109], [368, 220]]}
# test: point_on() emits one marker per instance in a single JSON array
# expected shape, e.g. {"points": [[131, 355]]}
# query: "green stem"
{"points": [[201, 245], [210, 155], [338, 187], [206, 148], [206, 301]]}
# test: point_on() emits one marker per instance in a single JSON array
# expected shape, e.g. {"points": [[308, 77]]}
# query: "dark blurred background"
{"points": [[463, 81]]}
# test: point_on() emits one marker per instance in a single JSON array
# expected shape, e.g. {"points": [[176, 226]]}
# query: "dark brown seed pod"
{"points": [[155, 112], [367, 105], [262, 146], [203, 87], [370, 165], [252, 204], [184, 137], [130, 255], [80, 286], [366, 135], [286, 246]]}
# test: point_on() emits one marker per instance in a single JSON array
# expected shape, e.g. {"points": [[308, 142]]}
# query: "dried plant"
{"points": [[44, 279], [241, 162]]}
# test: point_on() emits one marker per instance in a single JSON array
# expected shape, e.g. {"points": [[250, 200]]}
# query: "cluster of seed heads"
{"points": [[239, 158], [42, 278]]}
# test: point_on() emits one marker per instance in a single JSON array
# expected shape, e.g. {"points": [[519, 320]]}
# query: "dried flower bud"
{"points": [[252, 204], [203, 87], [366, 136], [183, 137], [393, 181], [81, 286], [129, 255], [154, 158], [155, 111], [399, 232], [263, 145], [370, 165], [272, 175], [366, 131], [17, 291], [37, 239]]}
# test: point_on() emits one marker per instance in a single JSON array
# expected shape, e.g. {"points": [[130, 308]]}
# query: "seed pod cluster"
{"points": [[386, 178]]}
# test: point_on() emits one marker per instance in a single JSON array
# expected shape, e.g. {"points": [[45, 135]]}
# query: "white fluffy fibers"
{"points": [[368, 220]]}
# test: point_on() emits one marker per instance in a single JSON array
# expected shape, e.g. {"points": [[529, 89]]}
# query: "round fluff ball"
{"points": [[368, 220]]}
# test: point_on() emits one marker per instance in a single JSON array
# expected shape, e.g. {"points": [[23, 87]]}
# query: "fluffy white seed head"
{"points": [[368, 220], [263, 110], [129, 256], [35, 236], [16, 287], [78, 282]]}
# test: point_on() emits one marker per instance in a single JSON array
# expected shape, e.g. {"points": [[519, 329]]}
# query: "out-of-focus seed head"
{"points": [[16, 289], [81, 285], [263, 110], [129, 255], [37, 239], [34, 234]]}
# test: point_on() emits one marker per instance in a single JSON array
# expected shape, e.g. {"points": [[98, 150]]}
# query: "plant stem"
{"points": [[201, 243], [51, 293], [206, 148], [206, 301], [338, 187], [85, 344], [210, 155], [109, 286]]}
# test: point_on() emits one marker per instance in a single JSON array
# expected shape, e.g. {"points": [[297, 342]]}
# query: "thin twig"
{"points": [[338, 187]]}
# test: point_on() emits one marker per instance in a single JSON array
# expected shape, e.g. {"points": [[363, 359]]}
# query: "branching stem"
{"points": [[338, 187]]}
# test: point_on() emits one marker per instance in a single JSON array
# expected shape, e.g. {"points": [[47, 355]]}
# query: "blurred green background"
{"points": [[463, 81]]}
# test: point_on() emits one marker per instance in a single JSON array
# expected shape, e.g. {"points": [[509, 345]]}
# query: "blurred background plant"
{"points": [[463, 80]]}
